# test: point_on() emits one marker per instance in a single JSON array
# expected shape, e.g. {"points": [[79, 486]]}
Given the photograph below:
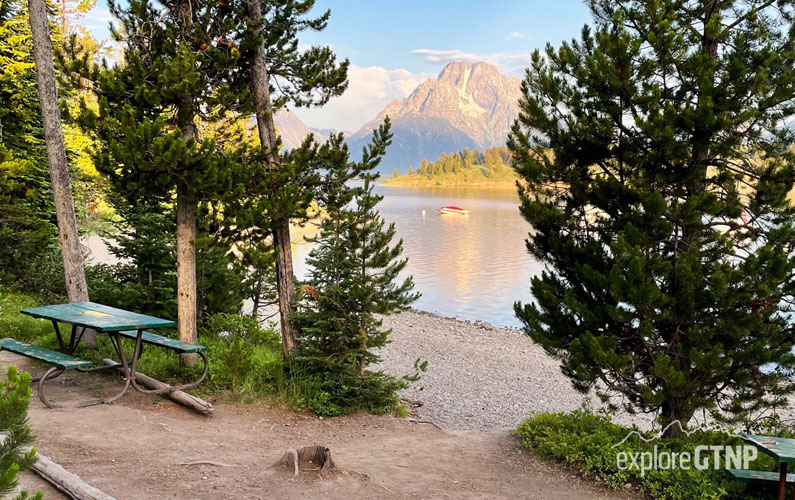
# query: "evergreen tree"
{"points": [[657, 175], [180, 62], [354, 277], [278, 73], [27, 216], [60, 182], [14, 401], [145, 278]]}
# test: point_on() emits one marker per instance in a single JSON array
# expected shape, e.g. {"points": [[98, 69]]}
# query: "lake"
{"points": [[469, 266]]}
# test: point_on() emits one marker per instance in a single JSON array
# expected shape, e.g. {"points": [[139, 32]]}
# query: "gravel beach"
{"points": [[479, 377]]}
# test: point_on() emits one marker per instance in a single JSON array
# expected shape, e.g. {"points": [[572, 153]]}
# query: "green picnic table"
{"points": [[782, 450], [117, 324]]}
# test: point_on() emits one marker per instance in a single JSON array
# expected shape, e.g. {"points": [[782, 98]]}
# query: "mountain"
{"points": [[466, 106], [326, 132], [292, 130]]}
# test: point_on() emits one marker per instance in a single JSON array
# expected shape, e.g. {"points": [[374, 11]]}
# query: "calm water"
{"points": [[471, 267]]}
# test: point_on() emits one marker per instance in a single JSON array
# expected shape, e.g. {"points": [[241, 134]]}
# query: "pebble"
{"points": [[479, 376]]}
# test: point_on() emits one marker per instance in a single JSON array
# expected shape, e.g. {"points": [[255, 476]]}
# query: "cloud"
{"points": [[369, 90], [98, 16], [517, 34], [512, 63]]}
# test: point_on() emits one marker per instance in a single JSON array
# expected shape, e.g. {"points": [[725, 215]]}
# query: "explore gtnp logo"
{"points": [[703, 457]]}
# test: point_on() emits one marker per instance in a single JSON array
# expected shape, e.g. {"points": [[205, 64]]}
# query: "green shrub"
{"points": [[584, 441], [19, 326], [246, 363], [14, 401]]}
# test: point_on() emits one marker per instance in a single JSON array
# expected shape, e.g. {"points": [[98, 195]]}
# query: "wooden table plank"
{"points": [[98, 317]]}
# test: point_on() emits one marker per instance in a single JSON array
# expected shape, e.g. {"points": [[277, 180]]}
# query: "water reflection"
{"points": [[471, 267]]}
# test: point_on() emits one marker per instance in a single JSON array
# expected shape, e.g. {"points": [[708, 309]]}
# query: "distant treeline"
{"points": [[467, 167]]}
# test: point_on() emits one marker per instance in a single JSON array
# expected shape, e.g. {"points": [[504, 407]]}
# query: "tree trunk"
{"points": [[186, 274], [187, 207], [74, 274], [674, 421], [285, 285]]}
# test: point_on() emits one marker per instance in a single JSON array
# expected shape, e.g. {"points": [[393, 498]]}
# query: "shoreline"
{"points": [[479, 185]]}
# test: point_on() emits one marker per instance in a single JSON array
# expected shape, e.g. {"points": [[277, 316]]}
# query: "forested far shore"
{"points": [[490, 168]]}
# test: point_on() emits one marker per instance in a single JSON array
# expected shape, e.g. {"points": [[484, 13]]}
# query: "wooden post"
{"points": [[285, 285], [74, 274]]}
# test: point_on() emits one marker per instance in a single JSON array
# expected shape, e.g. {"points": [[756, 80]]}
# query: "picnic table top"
{"points": [[782, 449], [98, 317]]}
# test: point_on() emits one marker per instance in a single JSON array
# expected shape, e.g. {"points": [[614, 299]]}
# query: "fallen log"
{"points": [[67, 482], [197, 404]]}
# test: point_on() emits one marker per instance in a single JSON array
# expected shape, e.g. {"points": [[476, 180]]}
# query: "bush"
{"points": [[584, 441], [14, 401], [246, 363], [16, 325], [40, 274]]}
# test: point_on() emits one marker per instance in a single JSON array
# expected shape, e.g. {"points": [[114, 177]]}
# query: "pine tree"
{"points": [[27, 217], [354, 277], [60, 182], [145, 278], [278, 73], [180, 60], [15, 431], [657, 175]]}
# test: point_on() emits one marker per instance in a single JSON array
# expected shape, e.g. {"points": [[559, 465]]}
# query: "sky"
{"points": [[394, 45]]}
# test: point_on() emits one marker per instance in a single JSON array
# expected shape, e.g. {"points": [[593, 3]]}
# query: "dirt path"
{"points": [[134, 450]]}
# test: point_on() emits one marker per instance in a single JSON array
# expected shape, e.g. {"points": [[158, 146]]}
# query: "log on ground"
{"points": [[195, 403], [67, 482]]}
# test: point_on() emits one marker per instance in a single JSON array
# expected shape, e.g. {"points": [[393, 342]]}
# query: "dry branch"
{"points": [[183, 398]]}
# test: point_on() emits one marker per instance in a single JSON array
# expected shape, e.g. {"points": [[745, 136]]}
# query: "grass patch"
{"points": [[246, 363], [584, 441]]}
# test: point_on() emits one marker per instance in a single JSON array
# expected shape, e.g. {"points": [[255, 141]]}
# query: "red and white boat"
{"points": [[452, 209]]}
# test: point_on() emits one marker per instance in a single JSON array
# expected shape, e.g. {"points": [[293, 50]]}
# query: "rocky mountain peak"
{"points": [[473, 98], [469, 105]]}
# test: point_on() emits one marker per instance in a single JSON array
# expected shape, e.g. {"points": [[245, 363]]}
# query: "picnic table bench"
{"points": [[118, 324], [782, 450]]}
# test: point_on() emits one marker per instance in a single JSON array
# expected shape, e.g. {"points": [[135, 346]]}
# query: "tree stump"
{"points": [[313, 458]]}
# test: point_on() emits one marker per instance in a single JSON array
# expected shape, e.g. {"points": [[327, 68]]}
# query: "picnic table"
{"points": [[782, 450], [117, 324]]}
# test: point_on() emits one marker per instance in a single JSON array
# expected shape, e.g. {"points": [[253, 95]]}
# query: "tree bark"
{"points": [[285, 284], [186, 274], [187, 207], [74, 274]]}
